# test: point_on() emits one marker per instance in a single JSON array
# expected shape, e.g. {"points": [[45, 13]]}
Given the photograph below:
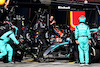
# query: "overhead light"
{"points": [[34, 0], [85, 2], [46, 2]]}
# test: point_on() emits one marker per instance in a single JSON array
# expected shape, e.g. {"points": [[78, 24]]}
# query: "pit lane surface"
{"points": [[61, 63]]}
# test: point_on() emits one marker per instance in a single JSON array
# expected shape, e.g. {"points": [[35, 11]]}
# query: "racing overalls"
{"points": [[4, 46], [82, 34]]}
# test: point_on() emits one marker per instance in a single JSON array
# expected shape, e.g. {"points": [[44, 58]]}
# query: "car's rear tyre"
{"points": [[96, 57]]}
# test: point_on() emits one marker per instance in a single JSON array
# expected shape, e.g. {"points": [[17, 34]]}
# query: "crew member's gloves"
{"points": [[89, 42], [77, 42]]}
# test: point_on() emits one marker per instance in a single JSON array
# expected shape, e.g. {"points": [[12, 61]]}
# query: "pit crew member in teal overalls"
{"points": [[4, 46], [82, 37]]}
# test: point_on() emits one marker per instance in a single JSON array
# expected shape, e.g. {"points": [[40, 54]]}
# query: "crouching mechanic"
{"points": [[82, 36], [4, 38]]}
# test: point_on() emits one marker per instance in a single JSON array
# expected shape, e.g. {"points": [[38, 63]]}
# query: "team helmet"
{"points": [[82, 19]]}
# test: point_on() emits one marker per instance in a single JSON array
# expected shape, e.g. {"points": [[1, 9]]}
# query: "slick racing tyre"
{"points": [[98, 44], [95, 56], [18, 55]]}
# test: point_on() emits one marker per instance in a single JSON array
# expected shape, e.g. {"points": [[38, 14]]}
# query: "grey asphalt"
{"points": [[49, 64]]}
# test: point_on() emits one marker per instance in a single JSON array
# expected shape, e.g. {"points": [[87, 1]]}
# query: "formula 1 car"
{"points": [[43, 48], [55, 50]]}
